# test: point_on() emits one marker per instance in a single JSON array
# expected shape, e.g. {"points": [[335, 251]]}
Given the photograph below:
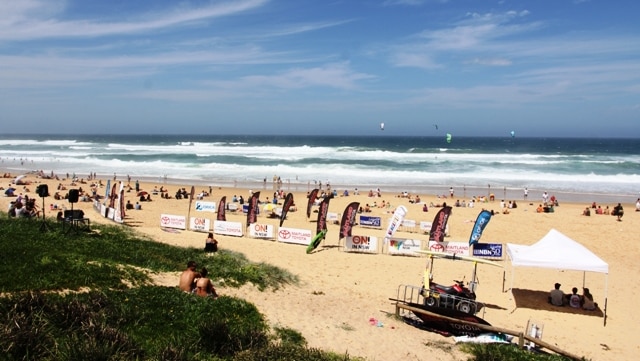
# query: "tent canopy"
{"points": [[557, 251]]}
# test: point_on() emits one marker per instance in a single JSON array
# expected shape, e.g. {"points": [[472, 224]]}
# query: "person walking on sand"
{"points": [[618, 211]]}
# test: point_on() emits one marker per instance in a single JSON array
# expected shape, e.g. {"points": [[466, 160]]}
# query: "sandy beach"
{"points": [[340, 292]]}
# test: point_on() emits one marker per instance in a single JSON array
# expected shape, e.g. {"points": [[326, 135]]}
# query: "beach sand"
{"points": [[340, 292]]}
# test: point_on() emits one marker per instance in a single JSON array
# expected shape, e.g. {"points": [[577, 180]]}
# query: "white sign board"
{"points": [[461, 248], [173, 221], [257, 230], [199, 224], [403, 246], [228, 228], [294, 235], [205, 206], [364, 244]]}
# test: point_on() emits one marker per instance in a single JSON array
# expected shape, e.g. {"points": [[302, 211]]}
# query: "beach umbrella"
{"points": [[142, 193], [18, 179]]}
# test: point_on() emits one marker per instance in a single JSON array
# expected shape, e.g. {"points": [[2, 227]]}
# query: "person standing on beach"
{"points": [[526, 193], [451, 192]]}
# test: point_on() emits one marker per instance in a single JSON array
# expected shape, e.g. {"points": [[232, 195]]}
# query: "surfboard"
{"points": [[315, 242], [453, 256]]}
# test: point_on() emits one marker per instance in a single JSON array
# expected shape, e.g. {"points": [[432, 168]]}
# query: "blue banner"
{"points": [[490, 250], [368, 221], [478, 227]]}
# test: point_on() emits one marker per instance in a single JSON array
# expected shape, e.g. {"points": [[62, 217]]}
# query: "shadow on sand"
{"points": [[537, 300]]}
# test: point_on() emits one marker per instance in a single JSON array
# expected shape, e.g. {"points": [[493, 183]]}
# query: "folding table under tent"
{"points": [[551, 252]]}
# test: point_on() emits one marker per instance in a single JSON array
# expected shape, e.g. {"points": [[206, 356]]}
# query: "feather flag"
{"points": [[483, 218], [222, 206], [252, 213], [121, 204], [440, 224], [395, 222], [312, 198], [288, 202], [191, 194], [113, 196], [322, 215], [348, 219]]}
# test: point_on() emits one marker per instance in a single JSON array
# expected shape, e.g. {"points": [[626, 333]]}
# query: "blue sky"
{"points": [[475, 68]]}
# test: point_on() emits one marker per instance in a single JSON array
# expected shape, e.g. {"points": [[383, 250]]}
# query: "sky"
{"points": [[304, 67]]}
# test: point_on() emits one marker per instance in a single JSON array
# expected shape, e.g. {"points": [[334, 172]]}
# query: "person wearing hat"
{"points": [[556, 296]]}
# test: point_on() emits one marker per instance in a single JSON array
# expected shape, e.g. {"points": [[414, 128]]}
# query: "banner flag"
{"points": [[222, 207], [108, 189], [252, 213], [395, 222], [440, 224], [322, 215], [288, 202], [483, 218], [121, 204], [312, 198], [191, 194], [348, 219], [113, 195]]}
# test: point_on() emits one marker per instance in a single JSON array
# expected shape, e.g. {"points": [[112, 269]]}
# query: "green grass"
{"points": [[110, 255]]}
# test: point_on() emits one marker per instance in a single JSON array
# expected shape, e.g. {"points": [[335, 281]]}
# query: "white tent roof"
{"points": [[555, 250]]}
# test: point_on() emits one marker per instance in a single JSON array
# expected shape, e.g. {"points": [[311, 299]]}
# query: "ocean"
{"points": [[573, 169]]}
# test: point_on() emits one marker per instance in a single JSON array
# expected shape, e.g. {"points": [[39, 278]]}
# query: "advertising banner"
{"points": [[228, 228], [266, 231], [405, 247], [295, 235], [199, 224], [361, 244], [369, 221], [206, 206], [488, 250], [461, 248], [173, 221]]}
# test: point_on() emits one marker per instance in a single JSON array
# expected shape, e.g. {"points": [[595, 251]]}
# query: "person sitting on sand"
{"points": [[575, 301], [540, 209], [211, 244], [587, 300], [586, 212], [556, 296], [638, 205], [188, 276], [204, 287], [606, 210]]}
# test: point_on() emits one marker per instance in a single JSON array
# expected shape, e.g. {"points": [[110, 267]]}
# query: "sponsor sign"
{"points": [[257, 230], [425, 227], [332, 218], [227, 228], [403, 246], [362, 244], [461, 248], [488, 250], [409, 223], [199, 224], [206, 206], [369, 221], [173, 221], [295, 235]]}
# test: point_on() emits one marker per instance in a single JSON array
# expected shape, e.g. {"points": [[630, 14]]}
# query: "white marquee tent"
{"points": [[557, 251]]}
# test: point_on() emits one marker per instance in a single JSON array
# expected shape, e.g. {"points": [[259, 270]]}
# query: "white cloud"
{"points": [[29, 22]]}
